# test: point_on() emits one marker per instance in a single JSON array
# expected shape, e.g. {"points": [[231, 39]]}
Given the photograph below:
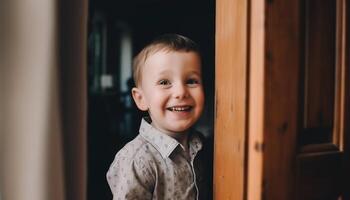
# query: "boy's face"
{"points": [[171, 90]]}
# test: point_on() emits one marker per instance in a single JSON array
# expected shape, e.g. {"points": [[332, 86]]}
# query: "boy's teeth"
{"points": [[184, 108]]}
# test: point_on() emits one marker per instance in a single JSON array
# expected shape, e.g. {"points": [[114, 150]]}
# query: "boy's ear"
{"points": [[139, 98]]}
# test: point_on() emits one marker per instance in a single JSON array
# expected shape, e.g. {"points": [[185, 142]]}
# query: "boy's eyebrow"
{"points": [[196, 72], [164, 72]]}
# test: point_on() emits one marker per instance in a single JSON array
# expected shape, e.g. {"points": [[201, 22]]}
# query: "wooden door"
{"points": [[282, 122], [306, 100], [321, 149]]}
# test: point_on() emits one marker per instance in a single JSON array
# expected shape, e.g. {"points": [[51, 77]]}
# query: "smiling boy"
{"points": [[165, 160]]}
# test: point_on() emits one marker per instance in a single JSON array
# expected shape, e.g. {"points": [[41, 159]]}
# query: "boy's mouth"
{"points": [[180, 108]]}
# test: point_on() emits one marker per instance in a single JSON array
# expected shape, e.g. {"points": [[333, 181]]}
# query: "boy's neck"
{"points": [[183, 140], [182, 137]]}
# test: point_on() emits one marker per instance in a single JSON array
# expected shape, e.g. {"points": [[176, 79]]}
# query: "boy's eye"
{"points": [[164, 82], [192, 81]]}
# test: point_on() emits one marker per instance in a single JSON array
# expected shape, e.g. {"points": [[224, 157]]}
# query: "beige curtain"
{"points": [[43, 99]]}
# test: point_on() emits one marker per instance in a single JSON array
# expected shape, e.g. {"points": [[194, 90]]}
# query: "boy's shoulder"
{"points": [[137, 150]]}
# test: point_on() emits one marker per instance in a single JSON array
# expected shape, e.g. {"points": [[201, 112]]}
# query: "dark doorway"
{"points": [[117, 31]]}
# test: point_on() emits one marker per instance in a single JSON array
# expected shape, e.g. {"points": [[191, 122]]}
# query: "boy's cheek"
{"points": [[202, 99]]}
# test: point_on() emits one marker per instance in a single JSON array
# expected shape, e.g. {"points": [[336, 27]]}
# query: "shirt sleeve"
{"points": [[131, 179]]}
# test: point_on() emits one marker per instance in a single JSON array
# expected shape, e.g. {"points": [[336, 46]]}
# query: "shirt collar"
{"points": [[164, 143], [195, 144]]}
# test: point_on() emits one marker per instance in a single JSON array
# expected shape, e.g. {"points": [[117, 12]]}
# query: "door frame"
{"points": [[230, 99], [239, 100]]}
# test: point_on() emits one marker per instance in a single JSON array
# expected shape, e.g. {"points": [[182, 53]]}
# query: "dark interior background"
{"points": [[113, 118]]}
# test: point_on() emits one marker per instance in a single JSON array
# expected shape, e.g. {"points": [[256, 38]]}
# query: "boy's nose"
{"points": [[180, 91]]}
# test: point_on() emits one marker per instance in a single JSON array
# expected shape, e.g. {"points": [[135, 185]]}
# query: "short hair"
{"points": [[166, 42]]}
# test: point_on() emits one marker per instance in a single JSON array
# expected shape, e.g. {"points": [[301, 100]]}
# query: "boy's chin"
{"points": [[174, 125], [173, 129], [181, 129]]}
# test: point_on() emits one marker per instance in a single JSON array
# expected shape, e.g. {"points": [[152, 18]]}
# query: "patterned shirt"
{"points": [[155, 166]]}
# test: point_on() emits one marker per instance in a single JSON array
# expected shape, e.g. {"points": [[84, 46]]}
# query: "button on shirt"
{"points": [[155, 166]]}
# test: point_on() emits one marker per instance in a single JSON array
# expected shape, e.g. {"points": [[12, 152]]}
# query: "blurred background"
{"points": [[65, 104], [117, 31]]}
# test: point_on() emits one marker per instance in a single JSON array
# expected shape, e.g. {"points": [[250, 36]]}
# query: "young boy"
{"points": [[166, 160]]}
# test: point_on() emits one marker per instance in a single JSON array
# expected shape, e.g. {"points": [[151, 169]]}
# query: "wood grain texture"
{"points": [[340, 87], [320, 29], [231, 99], [281, 102], [320, 171], [256, 100], [346, 109]]}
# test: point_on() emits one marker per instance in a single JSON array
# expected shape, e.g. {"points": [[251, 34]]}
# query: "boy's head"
{"points": [[168, 79], [167, 43]]}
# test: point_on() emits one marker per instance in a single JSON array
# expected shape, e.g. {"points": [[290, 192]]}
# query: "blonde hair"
{"points": [[167, 42]]}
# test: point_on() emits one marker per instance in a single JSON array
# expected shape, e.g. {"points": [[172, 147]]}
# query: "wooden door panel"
{"points": [[319, 176], [319, 158], [346, 106], [319, 69]]}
